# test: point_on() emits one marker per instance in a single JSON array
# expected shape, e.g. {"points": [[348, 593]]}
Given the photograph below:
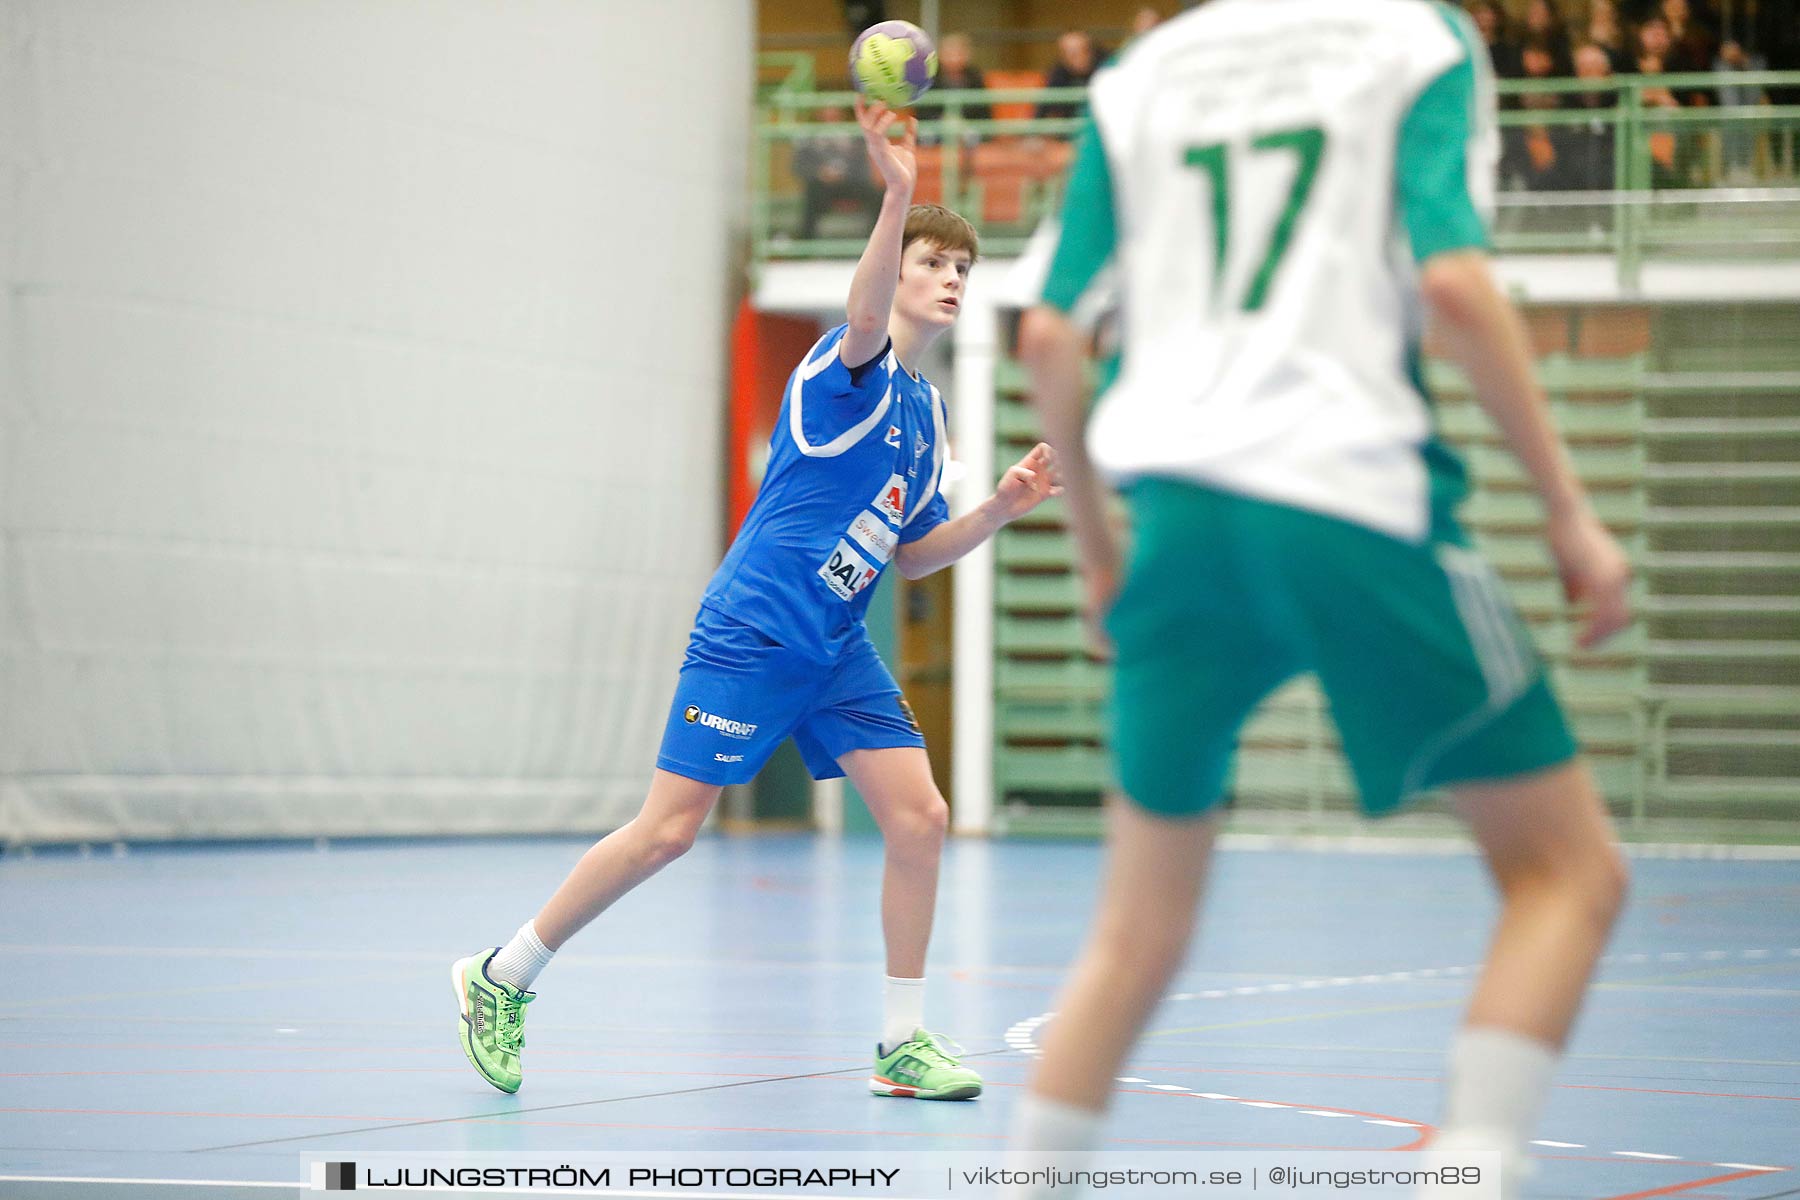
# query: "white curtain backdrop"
{"points": [[362, 371]]}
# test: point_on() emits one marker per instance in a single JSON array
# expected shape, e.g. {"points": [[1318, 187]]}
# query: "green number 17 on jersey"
{"points": [[1308, 147]]}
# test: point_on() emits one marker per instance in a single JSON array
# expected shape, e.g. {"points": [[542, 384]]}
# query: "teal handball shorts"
{"points": [[1430, 675]]}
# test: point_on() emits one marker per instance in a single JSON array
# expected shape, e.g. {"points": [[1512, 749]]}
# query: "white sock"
{"points": [[1041, 1123], [902, 1011], [520, 960], [1050, 1135], [1497, 1086]]}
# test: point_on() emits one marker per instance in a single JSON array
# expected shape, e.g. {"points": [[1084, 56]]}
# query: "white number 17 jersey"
{"points": [[1266, 174]]}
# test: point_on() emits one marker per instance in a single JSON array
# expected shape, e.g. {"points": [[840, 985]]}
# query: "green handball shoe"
{"points": [[493, 1020], [926, 1068]]}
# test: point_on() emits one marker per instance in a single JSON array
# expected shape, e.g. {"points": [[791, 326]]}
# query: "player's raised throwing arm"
{"points": [[878, 271]]}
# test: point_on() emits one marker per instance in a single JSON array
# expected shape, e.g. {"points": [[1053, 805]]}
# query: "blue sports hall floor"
{"points": [[215, 1016]]}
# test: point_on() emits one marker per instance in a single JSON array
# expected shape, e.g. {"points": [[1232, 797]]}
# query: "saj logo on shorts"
{"points": [[695, 715]]}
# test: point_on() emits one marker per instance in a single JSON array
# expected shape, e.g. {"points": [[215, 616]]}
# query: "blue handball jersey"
{"points": [[854, 467]]}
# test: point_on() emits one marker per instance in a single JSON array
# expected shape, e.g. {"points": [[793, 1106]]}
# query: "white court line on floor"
{"points": [[1022, 1036], [243, 1183], [1449, 845], [563, 958]]}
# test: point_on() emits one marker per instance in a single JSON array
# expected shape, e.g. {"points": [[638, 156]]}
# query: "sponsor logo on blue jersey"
{"points": [[695, 715], [892, 501], [847, 572]]}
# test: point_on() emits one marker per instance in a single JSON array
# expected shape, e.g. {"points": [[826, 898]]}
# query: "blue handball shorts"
{"points": [[741, 694]]}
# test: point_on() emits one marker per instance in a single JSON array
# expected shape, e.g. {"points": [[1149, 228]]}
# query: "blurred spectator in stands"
{"points": [[1588, 149], [1528, 157], [1496, 33], [1738, 142], [833, 167], [1636, 12], [1544, 24], [1146, 18], [1077, 58], [1692, 47], [956, 72], [1653, 43], [1605, 31], [1692, 44]]}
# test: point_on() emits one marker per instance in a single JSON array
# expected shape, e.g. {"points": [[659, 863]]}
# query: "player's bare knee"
{"points": [[935, 819], [919, 827], [1595, 882], [669, 839]]}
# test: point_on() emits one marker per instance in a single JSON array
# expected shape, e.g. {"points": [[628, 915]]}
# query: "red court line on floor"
{"points": [[886, 1133], [1673, 1188], [1599, 1087], [456, 1070], [284, 1047], [131, 1112], [892, 1133], [1664, 1010], [502, 1119], [1287, 1074]]}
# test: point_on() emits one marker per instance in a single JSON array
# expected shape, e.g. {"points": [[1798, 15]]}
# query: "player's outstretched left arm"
{"points": [[1026, 484]]}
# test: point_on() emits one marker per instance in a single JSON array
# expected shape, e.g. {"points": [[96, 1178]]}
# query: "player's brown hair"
{"points": [[938, 225]]}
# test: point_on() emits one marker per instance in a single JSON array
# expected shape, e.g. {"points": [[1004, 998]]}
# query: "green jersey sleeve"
{"points": [[1089, 232], [1432, 164]]}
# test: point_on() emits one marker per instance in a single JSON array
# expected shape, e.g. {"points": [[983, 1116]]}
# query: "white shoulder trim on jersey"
{"points": [[851, 436], [938, 423]]}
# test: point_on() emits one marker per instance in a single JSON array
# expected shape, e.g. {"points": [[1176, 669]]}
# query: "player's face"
{"points": [[931, 283]]}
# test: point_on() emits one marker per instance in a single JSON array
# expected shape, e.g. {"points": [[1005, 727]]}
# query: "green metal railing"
{"points": [[1690, 720], [1655, 202], [787, 118], [1646, 209], [783, 71], [1713, 754]]}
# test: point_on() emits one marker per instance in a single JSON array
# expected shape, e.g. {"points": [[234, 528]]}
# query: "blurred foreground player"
{"points": [[1287, 188]]}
